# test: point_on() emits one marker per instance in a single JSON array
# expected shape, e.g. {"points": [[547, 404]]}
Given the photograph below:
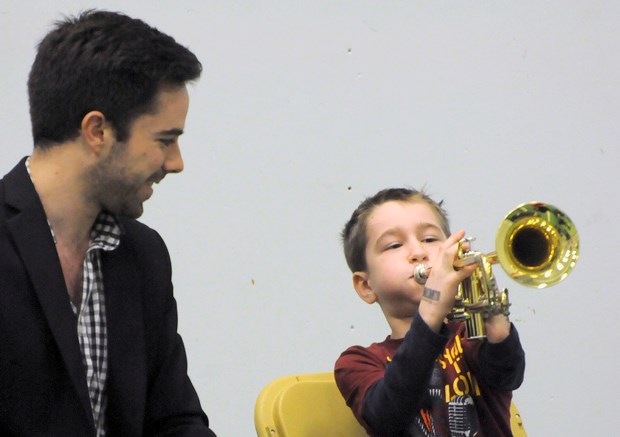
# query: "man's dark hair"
{"points": [[103, 61], [354, 236]]}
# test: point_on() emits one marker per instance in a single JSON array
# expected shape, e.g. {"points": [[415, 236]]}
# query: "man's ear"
{"points": [[363, 288], [96, 132]]}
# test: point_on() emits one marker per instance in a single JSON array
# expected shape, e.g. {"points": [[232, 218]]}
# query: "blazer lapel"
{"points": [[127, 372], [30, 231]]}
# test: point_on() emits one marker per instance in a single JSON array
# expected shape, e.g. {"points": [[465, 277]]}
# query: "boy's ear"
{"points": [[363, 288]]}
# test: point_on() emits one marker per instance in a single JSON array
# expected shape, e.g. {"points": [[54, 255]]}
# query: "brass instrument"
{"points": [[536, 244]]}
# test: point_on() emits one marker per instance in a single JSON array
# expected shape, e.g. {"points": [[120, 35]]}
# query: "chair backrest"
{"points": [[306, 405], [310, 405], [516, 423]]}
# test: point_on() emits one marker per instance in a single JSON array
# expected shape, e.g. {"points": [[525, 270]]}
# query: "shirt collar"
{"points": [[106, 232]]}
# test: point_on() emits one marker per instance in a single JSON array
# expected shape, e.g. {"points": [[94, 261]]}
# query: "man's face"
{"points": [[124, 179]]}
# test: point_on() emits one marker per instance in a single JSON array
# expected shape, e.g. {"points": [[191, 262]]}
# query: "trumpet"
{"points": [[537, 245]]}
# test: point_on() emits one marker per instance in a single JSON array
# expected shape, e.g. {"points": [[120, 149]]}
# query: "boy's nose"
{"points": [[417, 253], [417, 257]]}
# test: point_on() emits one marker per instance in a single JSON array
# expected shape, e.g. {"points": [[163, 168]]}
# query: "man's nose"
{"points": [[174, 161]]}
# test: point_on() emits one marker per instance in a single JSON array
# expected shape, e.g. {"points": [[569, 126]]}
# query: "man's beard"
{"points": [[114, 189]]}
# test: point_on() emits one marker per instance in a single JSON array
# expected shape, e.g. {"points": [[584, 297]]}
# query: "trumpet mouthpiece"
{"points": [[420, 273]]}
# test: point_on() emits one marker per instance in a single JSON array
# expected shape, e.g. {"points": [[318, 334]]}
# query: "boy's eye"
{"points": [[393, 246], [430, 239]]}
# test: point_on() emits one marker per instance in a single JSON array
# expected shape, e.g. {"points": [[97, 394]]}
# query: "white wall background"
{"points": [[306, 107]]}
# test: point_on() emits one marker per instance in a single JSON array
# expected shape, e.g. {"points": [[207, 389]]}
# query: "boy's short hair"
{"points": [[103, 61], [354, 236]]}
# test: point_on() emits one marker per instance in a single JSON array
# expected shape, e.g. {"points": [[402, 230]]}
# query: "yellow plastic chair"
{"points": [[516, 423], [307, 405], [310, 405]]}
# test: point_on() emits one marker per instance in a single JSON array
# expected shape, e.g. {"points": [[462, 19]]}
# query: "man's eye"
{"points": [[167, 141]]}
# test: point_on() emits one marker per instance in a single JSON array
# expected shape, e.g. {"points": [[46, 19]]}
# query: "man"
{"points": [[88, 321]]}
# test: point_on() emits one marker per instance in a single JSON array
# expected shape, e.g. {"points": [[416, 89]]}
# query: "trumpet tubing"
{"points": [[537, 245]]}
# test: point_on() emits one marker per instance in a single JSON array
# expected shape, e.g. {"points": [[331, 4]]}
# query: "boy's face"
{"points": [[400, 236]]}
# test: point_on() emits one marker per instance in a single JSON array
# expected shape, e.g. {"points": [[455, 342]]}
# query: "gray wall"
{"points": [[306, 107]]}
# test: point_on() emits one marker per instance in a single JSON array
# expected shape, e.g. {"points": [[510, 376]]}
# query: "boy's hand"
{"points": [[497, 328], [442, 284]]}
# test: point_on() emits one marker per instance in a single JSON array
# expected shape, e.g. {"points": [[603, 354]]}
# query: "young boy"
{"points": [[426, 378]]}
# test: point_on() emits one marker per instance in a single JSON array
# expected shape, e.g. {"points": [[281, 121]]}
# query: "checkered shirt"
{"points": [[91, 325]]}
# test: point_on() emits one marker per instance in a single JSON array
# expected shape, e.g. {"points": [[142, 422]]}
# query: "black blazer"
{"points": [[42, 380]]}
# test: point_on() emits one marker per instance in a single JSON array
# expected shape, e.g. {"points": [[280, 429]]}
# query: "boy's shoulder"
{"points": [[379, 352]]}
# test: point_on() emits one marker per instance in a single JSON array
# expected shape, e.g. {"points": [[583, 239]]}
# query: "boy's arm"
{"points": [[389, 402], [502, 358]]}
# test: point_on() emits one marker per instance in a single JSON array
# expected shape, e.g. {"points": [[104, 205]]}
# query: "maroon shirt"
{"points": [[430, 384]]}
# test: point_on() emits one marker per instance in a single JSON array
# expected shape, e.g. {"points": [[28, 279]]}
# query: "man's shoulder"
{"points": [[139, 236], [134, 227], [143, 247], [18, 182]]}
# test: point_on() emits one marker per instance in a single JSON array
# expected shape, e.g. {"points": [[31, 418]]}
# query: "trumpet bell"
{"points": [[537, 245]]}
